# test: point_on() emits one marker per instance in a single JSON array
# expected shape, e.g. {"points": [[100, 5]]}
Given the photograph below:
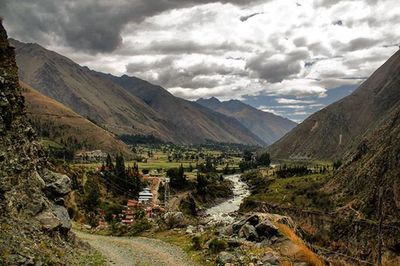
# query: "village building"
{"points": [[90, 156]]}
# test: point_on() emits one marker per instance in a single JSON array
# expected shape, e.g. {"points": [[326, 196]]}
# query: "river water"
{"points": [[223, 212]]}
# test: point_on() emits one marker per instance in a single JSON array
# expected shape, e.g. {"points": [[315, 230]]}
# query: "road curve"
{"points": [[136, 251]]}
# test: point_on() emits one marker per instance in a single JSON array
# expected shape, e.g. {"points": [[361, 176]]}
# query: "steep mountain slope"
{"points": [[63, 123], [266, 126], [329, 133], [372, 167], [138, 109], [87, 93], [34, 224], [193, 121]]}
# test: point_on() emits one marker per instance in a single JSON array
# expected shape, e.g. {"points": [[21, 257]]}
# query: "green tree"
{"points": [[92, 194], [264, 159]]}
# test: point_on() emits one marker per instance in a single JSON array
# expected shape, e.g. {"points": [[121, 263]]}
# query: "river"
{"points": [[224, 212]]}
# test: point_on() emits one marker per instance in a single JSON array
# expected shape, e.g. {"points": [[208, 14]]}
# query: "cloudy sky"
{"points": [[284, 56]]}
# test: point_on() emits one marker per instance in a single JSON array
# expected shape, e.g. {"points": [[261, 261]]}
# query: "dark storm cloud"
{"points": [[177, 46], [359, 44], [277, 69], [200, 75], [88, 25]]}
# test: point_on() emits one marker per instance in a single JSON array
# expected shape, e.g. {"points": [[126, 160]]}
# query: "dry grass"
{"points": [[303, 253]]}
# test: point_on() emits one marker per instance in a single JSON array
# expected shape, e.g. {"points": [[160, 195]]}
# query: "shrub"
{"points": [[217, 245], [196, 243], [139, 227]]}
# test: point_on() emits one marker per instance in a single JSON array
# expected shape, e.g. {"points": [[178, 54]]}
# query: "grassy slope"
{"points": [[48, 110]]}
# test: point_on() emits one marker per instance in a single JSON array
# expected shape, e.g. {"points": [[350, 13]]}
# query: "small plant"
{"points": [[196, 242], [217, 245], [139, 227]]}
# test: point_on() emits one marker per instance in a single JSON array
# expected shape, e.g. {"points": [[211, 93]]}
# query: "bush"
{"points": [[217, 245], [139, 227], [196, 243]]}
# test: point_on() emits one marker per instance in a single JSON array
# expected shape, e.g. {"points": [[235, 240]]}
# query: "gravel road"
{"points": [[136, 251]]}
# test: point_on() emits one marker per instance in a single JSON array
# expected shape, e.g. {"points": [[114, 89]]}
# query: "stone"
{"points": [[270, 259], [225, 257], [266, 229], [190, 229], [225, 230], [174, 219], [248, 232], [57, 185], [63, 216], [48, 220]]}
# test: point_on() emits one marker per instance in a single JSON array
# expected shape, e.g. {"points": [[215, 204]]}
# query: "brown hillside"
{"points": [[49, 111]]}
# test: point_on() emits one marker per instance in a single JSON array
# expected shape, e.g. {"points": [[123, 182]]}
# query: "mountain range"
{"points": [[339, 128], [267, 126], [129, 105], [59, 123]]}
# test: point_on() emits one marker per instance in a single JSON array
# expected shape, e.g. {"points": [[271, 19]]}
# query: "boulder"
{"points": [[63, 216], [174, 219], [249, 232], [266, 229], [270, 259], [224, 258], [48, 220], [57, 185]]}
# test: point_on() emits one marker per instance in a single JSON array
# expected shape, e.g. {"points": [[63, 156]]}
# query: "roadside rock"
{"points": [[249, 232], [57, 185], [48, 220], [174, 220], [62, 214]]}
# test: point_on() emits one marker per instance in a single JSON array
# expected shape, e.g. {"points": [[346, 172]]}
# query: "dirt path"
{"points": [[138, 251]]}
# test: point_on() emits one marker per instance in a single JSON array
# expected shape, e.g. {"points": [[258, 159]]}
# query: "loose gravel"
{"points": [[136, 250]]}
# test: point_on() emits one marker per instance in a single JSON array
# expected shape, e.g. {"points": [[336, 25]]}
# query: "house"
{"points": [[145, 196], [90, 156]]}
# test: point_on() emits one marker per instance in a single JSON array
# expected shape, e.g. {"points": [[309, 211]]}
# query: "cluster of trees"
{"points": [[177, 177], [285, 172], [122, 180], [251, 161]]}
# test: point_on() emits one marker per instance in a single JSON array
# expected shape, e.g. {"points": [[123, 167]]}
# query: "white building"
{"points": [[145, 196]]}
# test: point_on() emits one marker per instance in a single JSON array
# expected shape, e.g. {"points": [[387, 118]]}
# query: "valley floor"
{"points": [[126, 251]]}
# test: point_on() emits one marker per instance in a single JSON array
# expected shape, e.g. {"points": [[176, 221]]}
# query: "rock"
{"points": [[253, 219], [270, 259], [190, 229], [38, 179], [48, 220], [57, 185], [249, 232], [225, 230], [225, 257], [266, 229], [62, 214], [234, 242], [174, 219]]}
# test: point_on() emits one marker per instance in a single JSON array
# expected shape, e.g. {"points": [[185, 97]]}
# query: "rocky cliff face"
{"points": [[34, 224]]}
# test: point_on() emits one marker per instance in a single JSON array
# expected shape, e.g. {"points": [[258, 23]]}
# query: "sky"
{"points": [[291, 58]]}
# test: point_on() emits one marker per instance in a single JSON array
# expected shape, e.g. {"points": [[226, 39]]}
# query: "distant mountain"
{"points": [[125, 105], [60, 123], [194, 122], [266, 126], [86, 93], [329, 133]]}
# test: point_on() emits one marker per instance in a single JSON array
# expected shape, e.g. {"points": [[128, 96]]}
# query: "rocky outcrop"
{"points": [[34, 224]]}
